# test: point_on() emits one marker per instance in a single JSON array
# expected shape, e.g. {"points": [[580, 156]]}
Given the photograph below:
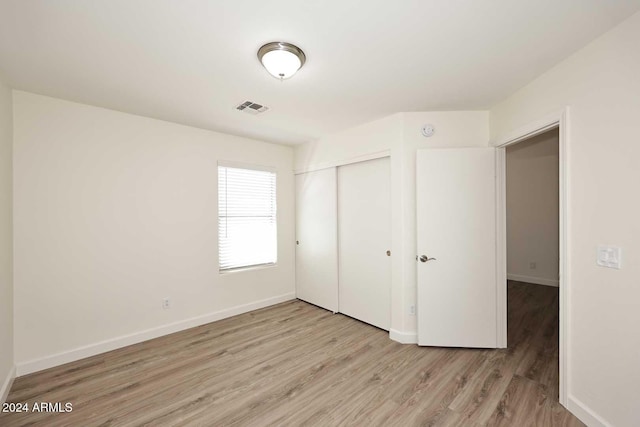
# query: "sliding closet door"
{"points": [[316, 238], [364, 237]]}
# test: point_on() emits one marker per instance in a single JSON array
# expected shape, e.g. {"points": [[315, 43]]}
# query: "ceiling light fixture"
{"points": [[281, 59]]}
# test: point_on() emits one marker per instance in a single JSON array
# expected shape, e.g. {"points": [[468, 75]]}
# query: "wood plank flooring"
{"points": [[296, 364]]}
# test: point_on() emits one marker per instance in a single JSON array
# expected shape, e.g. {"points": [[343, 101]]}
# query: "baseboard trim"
{"points": [[403, 337], [58, 359], [534, 280], [584, 414], [6, 384]]}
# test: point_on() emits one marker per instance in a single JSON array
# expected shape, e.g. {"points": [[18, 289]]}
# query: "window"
{"points": [[247, 229]]}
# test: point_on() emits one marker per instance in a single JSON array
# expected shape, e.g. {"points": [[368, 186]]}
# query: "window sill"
{"points": [[248, 268]]}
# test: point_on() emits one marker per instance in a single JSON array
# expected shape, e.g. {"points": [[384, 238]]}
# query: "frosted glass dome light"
{"points": [[282, 60]]}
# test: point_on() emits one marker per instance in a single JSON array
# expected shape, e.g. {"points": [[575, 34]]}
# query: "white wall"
{"points": [[114, 212], [400, 135], [6, 241], [532, 209], [601, 86], [373, 137]]}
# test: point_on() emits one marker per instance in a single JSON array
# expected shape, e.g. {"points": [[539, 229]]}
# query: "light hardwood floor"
{"points": [[296, 364]]}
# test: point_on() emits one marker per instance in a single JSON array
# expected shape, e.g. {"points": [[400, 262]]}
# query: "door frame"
{"points": [[560, 120]]}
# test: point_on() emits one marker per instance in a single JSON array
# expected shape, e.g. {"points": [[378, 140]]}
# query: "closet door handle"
{"points": [[424, 258]]}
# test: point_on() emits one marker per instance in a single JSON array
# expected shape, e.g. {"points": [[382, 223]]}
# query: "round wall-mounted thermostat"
{"points": [[428, 130]]}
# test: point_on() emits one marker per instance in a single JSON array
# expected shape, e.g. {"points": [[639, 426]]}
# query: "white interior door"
{"points": [[456, 208], [317, 238], [364, 237]]}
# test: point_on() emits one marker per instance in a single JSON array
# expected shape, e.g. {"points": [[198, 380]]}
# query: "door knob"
{"points": [[424, 258]]}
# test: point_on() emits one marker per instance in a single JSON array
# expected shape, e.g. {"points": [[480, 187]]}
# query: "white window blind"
{"points": [[247, 229]]}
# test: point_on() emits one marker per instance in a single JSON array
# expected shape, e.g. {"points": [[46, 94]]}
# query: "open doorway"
{"points": [[556, 121], [533, 254]]}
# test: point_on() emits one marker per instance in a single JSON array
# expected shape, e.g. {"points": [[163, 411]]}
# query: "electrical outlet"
{"points": [[609, 256], [532, 265], [412, 310], [166, 303]]}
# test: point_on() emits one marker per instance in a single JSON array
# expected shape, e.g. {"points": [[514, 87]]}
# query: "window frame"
{"points": [[251, 167]]}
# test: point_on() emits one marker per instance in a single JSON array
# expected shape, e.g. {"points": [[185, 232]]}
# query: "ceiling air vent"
{"points": [[251, 108]]}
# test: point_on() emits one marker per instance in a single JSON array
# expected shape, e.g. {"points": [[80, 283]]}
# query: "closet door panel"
{"points": [[316, 238], [364, 237]]}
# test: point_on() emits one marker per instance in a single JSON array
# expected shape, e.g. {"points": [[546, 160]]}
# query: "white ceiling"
{"points": [[193, 61]]}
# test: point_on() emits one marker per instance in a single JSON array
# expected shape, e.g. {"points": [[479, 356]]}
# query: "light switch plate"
{"points": [[609, 256]]}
